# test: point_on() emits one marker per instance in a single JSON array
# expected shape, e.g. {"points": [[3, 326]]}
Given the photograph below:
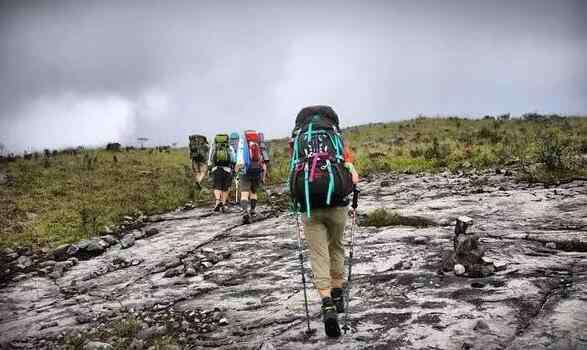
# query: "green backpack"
{"points": [[221, 150]]}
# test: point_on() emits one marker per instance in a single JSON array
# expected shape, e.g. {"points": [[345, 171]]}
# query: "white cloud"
{"points": [[69, 120]]}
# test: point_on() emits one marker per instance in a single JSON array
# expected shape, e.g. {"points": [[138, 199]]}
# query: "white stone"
{"points": [[459, 269], [94, 345], [550, 245]]}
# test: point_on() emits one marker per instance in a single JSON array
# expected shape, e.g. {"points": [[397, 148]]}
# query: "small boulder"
{"points": [[60, 269], [89, 247], [72, 250], [152, 231], [96, 246], [459, 270], [481, 325], [102, 243], [120, 260], [48, 263], [190, 271], [500, 265], [173, 272], [94, 345], [420, 240], [26, 251], [60, 253], [111, 240], [10, 254], [127, 241], [139, 234], [207, 250], [83, 318], [23, 262]]}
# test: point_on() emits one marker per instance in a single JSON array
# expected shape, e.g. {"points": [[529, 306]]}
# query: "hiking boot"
{"points": [[330, 318], [338, 299], [222, 208], [217, 207]]}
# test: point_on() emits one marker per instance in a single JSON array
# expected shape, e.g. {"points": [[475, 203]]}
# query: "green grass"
{"points": [[437, 144], [382, 218], [67, 200]]}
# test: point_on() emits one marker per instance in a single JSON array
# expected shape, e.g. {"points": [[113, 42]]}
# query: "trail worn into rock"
{"points": [[250, 274]]}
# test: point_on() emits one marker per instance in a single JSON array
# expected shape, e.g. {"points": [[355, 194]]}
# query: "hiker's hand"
{"points": [[354, 174]]}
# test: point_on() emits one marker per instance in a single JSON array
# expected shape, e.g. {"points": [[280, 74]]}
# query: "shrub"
{"points": [[382, 217]]}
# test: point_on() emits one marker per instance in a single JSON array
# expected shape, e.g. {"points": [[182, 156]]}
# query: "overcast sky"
{"points": [[90, 72]]}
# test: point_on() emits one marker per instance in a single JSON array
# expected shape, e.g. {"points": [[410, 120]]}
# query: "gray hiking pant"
{"points": [[200, 169]]}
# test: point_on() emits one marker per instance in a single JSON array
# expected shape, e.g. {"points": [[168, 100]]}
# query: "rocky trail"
{"points": [[209, 282]]}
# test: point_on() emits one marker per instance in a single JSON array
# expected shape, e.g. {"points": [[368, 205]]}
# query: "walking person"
{"points": [[322, 177], [234, 143], [252, 170], [199, 149], [221, 162]]}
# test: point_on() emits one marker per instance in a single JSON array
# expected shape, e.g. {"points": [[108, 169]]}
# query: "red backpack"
{"points": [[255, 157]]}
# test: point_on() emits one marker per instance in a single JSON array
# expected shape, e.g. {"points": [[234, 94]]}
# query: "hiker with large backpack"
{"points": [[199, 149], [234, 140], [322, 177], [265, 153], [221, 163], [252, 168]]}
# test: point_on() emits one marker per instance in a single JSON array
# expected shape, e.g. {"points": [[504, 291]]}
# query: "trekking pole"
{"points": [[236, 189], [346, 326], [309, 331]]}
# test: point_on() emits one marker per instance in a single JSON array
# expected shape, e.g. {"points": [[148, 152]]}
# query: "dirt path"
{"points": [[251, 275]]}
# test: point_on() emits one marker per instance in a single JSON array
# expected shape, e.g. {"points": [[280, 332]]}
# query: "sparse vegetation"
{"points": [[60, 197], [382, 217], [120, 333]]}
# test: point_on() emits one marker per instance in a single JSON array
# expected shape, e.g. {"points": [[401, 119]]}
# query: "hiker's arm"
{"points": [[353, 171], [348, 163], [233, 157], [210, 153], [239, 156]]}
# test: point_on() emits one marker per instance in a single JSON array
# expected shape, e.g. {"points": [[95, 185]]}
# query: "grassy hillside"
{"points": [[542, 148], [70, 197]]}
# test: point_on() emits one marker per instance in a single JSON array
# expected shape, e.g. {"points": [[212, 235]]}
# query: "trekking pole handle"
{"points": [[356, 192]]}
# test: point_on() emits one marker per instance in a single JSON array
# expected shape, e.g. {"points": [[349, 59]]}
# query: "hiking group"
{"points": [[235, 159], [321, 180]]}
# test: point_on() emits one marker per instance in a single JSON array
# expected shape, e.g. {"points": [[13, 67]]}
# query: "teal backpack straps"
{"points": [[307, 190], [330, 183]]}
